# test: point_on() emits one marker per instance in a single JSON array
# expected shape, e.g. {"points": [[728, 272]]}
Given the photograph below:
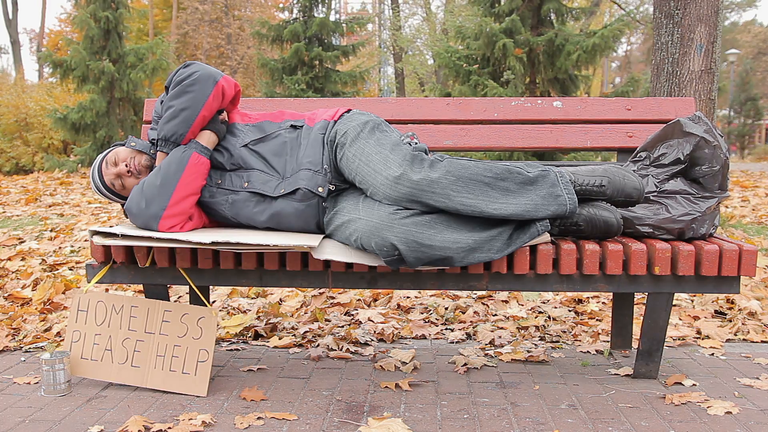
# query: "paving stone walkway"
{"points": [[572, 393]]}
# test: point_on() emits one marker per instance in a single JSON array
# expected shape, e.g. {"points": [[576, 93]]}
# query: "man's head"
{"points": [[118, 169]]}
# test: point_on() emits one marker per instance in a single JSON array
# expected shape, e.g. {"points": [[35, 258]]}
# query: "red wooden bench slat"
{"points": [[659, 256], [316, 264], [359, 267], [593, 137], [101, 253], [141, 253], [545, 254], [249, 260], [589, 257], [707, 258], [499, 265], [729, 257], [293, 261], [406, 270], [272, 260], [228, 260], [164, 257], [635, 255], [613, 257], [748, 256], [122, 254], [338, 266], [488, 110], [206, 258], [383, 269], [566, 257], [453, 270], [521, 261], [475, 268], [185, 258], [683, 258]]}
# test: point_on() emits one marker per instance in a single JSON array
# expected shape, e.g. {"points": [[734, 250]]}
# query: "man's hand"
{"points": [[218, 125]]}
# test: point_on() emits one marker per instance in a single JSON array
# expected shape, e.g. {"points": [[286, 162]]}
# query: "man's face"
{"points": [[124, 167]]}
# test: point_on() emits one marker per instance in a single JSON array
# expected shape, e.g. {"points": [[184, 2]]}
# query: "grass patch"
{"points": [[752, 230], [19, 223], [585, 363]]}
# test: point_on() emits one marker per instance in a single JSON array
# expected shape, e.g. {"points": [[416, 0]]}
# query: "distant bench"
{"points": [[622, 266]]}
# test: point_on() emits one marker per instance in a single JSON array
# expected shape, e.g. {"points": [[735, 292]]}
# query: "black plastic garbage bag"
{"points": [[684, 167]]}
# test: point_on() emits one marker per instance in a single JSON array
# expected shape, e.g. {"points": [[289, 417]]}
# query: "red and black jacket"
{"points": [[271, 171]]}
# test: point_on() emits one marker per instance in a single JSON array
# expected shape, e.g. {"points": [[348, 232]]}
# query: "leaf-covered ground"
{"points": [[44, 244]]}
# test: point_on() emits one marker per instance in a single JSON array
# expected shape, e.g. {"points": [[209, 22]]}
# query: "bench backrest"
{"points": [[505, 124]]}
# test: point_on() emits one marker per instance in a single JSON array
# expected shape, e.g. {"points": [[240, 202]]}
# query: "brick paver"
{"points": [[572, 393]]}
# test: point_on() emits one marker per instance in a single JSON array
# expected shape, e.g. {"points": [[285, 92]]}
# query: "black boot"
{"points": [[595, 220], [611, 183]]}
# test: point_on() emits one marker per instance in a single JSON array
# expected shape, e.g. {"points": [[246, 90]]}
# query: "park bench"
{"points": [[622, 266]]}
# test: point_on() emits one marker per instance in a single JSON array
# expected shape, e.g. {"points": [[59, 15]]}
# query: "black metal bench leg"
{"points": [[621, 321], [156, 292], [652, 335], [195, 299]]}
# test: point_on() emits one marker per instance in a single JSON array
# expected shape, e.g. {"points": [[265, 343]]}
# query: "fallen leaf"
{"points": [[253, 368], [385, 423], [713, 352], [404, 356], [388, 364], [558, 355], [675, 379], [760, 360], [232, 348], [135, 424], [161, 427], [410, 366], [201, 420], [295, 350], [761, 383], [280, 415], [681, 398], [719, 407], [597, 348], [253, 394], [403, 383], [625, 371], [277, 342], [252, 419], [711, 343], [316, 354], [340, 355], [96, 428], [34, 379]]}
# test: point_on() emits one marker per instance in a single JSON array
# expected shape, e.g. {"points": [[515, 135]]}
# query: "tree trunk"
{"points": [[12, 24], [686, 51], [40, 41], [397, 49], [174, 15], [151, 8]]}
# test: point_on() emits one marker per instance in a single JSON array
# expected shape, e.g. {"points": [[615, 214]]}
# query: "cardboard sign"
{"points": [[146, 343]]}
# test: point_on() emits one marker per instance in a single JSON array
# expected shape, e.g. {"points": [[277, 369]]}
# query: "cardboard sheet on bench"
{"points": [[243, 240]]}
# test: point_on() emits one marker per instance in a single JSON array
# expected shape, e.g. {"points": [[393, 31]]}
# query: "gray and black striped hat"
{"points": [[99, 185]]}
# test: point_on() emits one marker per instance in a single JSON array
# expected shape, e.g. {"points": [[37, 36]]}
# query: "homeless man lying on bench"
{"points": [[347, 174]]}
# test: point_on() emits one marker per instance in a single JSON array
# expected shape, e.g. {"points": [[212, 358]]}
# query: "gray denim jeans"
{"points": [[416, 209]]}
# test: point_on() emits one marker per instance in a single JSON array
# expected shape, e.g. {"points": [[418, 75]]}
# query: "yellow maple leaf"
{"points": [[135, 424], [385, 423], [403, 383], [719, 407]]}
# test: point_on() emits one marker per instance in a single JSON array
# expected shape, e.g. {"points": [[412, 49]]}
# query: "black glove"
{"points": [[217, 126]]}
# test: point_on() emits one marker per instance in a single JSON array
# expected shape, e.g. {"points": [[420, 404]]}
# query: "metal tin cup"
{"points": [[56, 378]]}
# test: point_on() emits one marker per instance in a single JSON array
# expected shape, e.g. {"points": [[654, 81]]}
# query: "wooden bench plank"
{"points": [[683, 258], [589, 257], [729, 257], [101, 253], [545, 137], [545, 255], [747, 256], [123, 255], [185, 258], [315, 264], [487, 110], [707, 258], [499, 265], [521, 261], [249, 260], [293, 261], [613, 257], [567, 257], [659, 256], [164, 257], [206, 258], [141, 253], [228, 260], [635, 255]]}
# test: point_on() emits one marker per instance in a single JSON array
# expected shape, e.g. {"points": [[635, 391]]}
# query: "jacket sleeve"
{"points": [[194, 92], [166, 200]]}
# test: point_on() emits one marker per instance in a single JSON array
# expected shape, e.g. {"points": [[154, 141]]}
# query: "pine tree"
{"points": [[523, 48], [313, 49], [113, 76], [747, 111]]}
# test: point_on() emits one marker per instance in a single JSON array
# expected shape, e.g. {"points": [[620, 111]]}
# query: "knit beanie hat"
{"points": [[99, 185]]}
